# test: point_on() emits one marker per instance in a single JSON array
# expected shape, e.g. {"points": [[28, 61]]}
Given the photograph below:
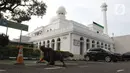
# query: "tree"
{"points": [[4, 40], [21, 10]]}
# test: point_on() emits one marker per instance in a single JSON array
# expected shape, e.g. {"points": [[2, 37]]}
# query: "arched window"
{"points": [[106, 46], [101, 45], [58, 44], [87, 40], [98, 45], [93, 44], [50, 29], [109, 48], [87, 44], [53, 43], [93, 41], [48, 43], [44, 43], [97, 42], [47, 30]]}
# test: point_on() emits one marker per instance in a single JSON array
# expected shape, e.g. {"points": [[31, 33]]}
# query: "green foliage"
{"points": [[36, 53], [4, 50], [22, 10], [12, 51], [4, 40]]}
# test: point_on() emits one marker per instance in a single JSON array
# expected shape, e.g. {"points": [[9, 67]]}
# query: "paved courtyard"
{"points": [[72, 67]]}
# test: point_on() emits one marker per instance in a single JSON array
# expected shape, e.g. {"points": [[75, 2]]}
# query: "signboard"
{"points": [[76, 42], [14, 25]]}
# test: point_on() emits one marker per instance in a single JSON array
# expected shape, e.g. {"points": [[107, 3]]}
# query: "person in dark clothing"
{"points": [[51, 55]]}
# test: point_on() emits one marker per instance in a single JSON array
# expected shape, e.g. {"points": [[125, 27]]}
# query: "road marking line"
{"points": [[2, 70], [120, 70], [54, 68], [83, 66], [68, 63]]}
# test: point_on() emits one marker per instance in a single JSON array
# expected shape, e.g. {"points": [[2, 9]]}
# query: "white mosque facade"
{"points": [[68, 35]]}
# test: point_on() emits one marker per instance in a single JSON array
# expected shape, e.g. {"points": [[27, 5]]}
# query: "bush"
{"points": [[13, 51], [6, 52], [36, 53], [27, 52]]}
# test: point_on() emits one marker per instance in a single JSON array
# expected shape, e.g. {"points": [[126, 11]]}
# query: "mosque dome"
{"points": [[61, 11], [104, 5]]}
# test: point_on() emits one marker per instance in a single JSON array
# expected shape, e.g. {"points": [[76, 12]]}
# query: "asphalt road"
{"points": [[72, 67]]}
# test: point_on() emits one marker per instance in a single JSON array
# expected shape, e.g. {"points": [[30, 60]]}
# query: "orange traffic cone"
{"points": [[20, 60]]}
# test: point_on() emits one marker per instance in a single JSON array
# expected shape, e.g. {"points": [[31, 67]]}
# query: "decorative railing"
{"points": [[73, 27], [89, 32], [51, 33]]}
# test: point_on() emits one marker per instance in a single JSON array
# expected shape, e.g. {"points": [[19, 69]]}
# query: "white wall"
{"points": [[53, 26], [64, 23], [65, 45], [75, 49], [122, 44], [97, 28]]}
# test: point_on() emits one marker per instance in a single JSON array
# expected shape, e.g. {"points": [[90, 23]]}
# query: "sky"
{"points": [[85, 12]]}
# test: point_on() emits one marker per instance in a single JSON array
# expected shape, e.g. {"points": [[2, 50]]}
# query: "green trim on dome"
{"points": [[98, 25]]}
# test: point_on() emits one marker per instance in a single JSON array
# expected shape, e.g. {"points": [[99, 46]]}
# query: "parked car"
{"points": [[102, 54], [126, 56]]}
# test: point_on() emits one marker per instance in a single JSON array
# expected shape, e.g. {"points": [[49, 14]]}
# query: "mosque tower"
{"points": [[104, 11]]}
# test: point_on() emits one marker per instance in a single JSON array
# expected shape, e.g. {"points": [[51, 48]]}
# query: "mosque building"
{"points": [[68, 35]]}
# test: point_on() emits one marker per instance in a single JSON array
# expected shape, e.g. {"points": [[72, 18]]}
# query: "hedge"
{"points": [[13, 52]]}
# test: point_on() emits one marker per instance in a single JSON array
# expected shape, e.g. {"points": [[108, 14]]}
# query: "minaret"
{"points": [[104, 9]]}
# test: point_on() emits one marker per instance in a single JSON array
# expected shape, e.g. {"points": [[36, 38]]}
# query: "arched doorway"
{"points": [[102, 45], [98, 45], [48, 43], [105, 46], [109, 48], [43, 43], [81, 45], [58, 44], [87, 44], [53, 44]]}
